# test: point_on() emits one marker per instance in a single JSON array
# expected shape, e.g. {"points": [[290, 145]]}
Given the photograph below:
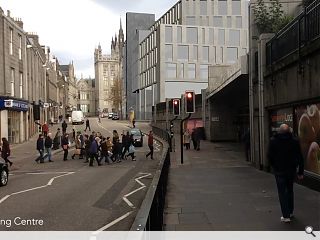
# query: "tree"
{"points": [[116, 94], [270, 19]]}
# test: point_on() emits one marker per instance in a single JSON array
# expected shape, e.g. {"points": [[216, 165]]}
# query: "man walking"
{"points": [[94, 151], [285, 157], [150, 145], [48, 145], [40, 148], [87, 125]]}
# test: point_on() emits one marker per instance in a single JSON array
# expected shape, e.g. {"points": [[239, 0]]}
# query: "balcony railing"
{"points": [[304, 29]]}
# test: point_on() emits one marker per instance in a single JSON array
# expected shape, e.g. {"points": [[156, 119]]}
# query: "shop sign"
{"points": [[279, 117], [15, 104], [308, 129]]}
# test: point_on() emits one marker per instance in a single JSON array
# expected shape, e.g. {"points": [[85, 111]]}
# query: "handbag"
{"points": [[77, 151]]}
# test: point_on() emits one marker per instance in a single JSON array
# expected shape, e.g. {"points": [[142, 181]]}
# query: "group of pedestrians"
{"points": [[195, 137]]}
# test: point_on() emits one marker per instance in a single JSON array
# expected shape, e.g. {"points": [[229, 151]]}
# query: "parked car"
{"points": [[137, 137], [110, 115], [77, 117], [115, 116], [4, 174], [103, 115]]}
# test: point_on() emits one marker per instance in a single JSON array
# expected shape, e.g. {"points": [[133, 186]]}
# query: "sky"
{"points": [[74, 28]]}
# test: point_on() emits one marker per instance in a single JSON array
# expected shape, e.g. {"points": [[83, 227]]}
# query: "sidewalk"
{"points": [[216, 189], [19, 152]]}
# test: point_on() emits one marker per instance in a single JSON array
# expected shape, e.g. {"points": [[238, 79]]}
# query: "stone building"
{"points": [[108, 75], [86, 97]]}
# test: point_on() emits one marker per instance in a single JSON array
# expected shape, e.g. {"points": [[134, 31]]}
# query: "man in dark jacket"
{"points": [[87, 125], [48, 145], [40, 148], [285, 157], [94, 152]]}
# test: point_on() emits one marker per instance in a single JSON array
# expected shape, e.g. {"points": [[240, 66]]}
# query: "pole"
{"points": [[181, 136], [171, 135]]}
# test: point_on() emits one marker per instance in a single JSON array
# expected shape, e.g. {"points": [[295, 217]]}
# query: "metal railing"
{"points": [[150, 215], [304, 29]]}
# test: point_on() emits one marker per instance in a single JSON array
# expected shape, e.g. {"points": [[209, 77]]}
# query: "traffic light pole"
{"points": [[171, 135], [181, 135]]}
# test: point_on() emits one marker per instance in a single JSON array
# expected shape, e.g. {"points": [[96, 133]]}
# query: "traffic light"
{"points": [[190, 101], [176, 107]]}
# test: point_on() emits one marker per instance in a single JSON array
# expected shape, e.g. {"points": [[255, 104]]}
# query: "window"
{"points": [[236, 7], [12, 82], [234, 37], [11, 42], [203, 35], [229, 22], [183, 53], [190, 20], [171, 70], [191, 70], [222, 7], [181, 70], [168, 34], [221, 38], [211, 36], [232, 55], [195, 53], [204, 72], [21, 84], [20, 47], [204, 21], [238, 22], [203, 7], [205, 54], [192, 35], [217, 21], [179, 35]]}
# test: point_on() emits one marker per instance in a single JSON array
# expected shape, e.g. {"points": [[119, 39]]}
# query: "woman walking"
{"points": [[65, 146], [5, 152]]}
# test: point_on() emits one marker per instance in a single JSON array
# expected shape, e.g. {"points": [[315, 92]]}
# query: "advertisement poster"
{"points": [[279, 117], [308, 129]]}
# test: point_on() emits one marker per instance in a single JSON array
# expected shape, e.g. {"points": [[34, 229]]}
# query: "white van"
{"points": [[77, 117]]}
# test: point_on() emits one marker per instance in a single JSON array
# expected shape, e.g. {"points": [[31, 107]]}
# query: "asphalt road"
{"points": [[71, 196]]}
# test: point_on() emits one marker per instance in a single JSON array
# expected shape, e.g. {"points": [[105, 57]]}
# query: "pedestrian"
{"points": [[45, 129], [40, 148], [94, 152], [104, 151], [64, 127], [134, 123], [48, 146], [116, 150], [193, 138], [197, 137], [81, 138], [285, 158], [5, 151], [65, 146], [57, 139], [246, 140], [187, 138], [150, 145], [110, 147], [87, 144], [125, 144], [87, 125], [131, 152], [115, 137], [73, 134], [77, 150]]}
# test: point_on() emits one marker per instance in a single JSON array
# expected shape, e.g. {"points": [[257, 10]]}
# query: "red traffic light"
{"points": [[189, 95], [175, 102], [176, 107], [190, 101]]}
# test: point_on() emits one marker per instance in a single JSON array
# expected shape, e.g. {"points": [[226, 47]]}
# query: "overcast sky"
{"points": [[73, 28]]}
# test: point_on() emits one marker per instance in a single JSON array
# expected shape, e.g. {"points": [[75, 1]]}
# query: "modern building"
{"points": [[108, 75], [86, 97], [137, 28], [189, 37]]}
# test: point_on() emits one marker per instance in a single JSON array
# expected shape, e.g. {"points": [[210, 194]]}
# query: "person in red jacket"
{"points": [[45, 129], [150, 145]]}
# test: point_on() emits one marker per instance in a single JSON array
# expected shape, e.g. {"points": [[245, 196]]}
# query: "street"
{"points": [[71, 195]]}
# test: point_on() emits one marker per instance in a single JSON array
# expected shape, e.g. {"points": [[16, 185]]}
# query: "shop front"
{"points": [[304, 121], [14, 120]]}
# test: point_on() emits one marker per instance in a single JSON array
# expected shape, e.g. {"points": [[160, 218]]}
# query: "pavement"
{"points": [[216, 189]]}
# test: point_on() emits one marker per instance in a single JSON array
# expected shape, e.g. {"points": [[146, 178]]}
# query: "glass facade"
{"points": [[205, 54], [204, 72], [191, 71], [232, 55], [222, 7], [169, 52], [236, 7], [183, 52], [217, 21], [234, 37], [171, 70], [168, 34], [221, 37], [192, 35]]}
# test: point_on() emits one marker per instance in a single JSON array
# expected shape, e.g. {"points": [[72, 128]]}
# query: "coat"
{"points": [[186, 137], [285, 154], [94, 147], [40, 144], [48, 142], [5, 151]]}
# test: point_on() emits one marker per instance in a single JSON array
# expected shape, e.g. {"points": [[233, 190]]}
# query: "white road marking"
{"points": [[35, 188], [112, 223], [103, 127], [128, 202], [45, 173]]}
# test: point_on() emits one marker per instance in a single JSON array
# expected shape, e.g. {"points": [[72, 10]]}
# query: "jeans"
{"points": [[285, 192], [92, 157], [48, 151], [151, 152], [41, 152]]}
